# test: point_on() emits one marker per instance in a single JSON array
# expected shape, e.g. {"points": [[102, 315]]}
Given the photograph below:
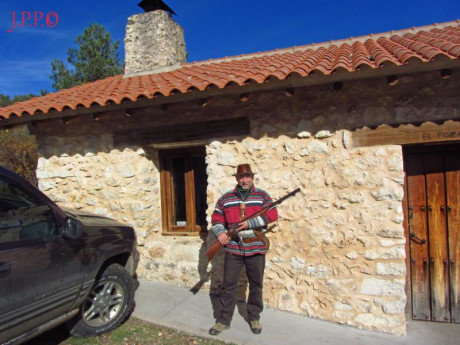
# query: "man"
{"points": [[247, 248]]}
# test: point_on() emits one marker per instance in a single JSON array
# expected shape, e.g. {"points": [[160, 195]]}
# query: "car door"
{"points": [[40, 271]]}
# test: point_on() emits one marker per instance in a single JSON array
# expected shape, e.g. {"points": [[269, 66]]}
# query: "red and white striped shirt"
{"points": [[227, 213]]}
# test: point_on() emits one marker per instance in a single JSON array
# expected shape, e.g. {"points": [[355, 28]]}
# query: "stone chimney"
{"points": [[153, 42]]}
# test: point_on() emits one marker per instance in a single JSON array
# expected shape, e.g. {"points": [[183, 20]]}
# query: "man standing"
{"points": [[247, 248]]}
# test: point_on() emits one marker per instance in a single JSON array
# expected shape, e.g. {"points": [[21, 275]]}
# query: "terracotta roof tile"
{"points": [[372, 51]]}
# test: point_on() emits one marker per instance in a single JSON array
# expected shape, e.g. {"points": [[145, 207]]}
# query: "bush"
{"points": [[19, 152]]}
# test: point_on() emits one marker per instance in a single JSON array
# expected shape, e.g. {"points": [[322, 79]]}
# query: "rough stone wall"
{"points": [[338, 249], [153, 40], [123, 185]]}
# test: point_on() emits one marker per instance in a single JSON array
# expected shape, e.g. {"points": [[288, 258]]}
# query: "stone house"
{"points": [[367, 127]]}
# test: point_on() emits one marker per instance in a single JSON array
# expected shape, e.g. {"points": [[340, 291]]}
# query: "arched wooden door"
{"points": [[433, 221]]}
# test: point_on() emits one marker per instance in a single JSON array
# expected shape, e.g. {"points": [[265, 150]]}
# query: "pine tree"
{"points": [[96, 57]]}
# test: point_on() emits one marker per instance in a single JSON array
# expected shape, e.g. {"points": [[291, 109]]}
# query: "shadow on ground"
{"points": [[54, 336]]}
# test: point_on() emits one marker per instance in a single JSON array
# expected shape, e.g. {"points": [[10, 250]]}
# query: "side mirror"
{"points": [[72, 229]]}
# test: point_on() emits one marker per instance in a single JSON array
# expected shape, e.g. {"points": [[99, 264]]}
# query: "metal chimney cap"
{"points": [[154, 5]]}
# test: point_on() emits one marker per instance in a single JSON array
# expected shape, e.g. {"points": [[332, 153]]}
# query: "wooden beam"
{"points": [[338, 85], [204, 102], [392, 80], [185, 132], [244, 97], [446, 73], [290, 91], [428, 132]]}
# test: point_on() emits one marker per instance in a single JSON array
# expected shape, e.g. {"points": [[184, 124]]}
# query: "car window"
{"points": [[22, 216]]}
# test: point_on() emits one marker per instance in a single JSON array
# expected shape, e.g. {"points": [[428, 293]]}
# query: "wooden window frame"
{"points": [[167, 192]]}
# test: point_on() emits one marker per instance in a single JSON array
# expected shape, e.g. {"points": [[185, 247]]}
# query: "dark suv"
{"points": [[60, 266]]}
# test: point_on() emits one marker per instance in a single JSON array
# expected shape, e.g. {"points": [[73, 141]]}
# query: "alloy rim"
{"points": [[103, 304]]}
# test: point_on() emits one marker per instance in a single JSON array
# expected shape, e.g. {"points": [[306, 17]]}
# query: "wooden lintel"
{"points": [[186, 132], [428, 132]]}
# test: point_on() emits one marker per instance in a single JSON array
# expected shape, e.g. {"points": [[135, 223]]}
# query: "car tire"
{"points": [[107, 306]]}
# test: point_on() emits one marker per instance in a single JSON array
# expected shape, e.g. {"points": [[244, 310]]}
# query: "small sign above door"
{"points": [[427, 132]]}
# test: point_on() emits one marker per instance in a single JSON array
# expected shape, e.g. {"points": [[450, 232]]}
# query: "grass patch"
{"points": [[132, 332]]}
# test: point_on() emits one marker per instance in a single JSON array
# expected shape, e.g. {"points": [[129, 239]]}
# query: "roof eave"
{"points": [[292, 81]]}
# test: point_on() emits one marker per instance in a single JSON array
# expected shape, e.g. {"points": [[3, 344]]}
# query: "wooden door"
{"points": [[432, 186], [453, 224]]}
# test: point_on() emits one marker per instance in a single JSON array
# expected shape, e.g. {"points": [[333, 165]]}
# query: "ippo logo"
{"points": [[51, 20]]}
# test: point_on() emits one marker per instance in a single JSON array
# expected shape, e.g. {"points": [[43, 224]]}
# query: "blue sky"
{"points": [[213, 28]]}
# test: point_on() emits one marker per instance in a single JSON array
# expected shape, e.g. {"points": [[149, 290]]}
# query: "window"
{"points": [[22, 216], [183, 190]]}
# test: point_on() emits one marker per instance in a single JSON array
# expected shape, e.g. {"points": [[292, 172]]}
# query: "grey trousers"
{"points": [[255, 266]]}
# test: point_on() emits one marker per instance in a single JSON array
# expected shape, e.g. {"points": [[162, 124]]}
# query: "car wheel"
{"points": [[109, 303]]}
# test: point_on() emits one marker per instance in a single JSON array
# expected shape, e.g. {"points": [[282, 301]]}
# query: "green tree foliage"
{"points": [[96, 57], [19, 152], [20, 98], [6, 100]]}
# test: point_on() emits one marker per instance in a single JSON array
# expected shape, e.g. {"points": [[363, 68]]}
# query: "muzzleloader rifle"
{"points": [[212, 251]]}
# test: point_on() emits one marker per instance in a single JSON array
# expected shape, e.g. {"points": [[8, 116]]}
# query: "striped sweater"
{"points": [[227, 213]]}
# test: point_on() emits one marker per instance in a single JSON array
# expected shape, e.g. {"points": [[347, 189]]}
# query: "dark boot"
{"points": [[218, 328], [256, 327]]}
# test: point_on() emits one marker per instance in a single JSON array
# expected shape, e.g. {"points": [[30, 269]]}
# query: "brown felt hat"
{"points": [[243, 169]]}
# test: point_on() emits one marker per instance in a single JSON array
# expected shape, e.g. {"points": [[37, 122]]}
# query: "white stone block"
{"points": [[286, 302], [227, 158], [390, 242], [304, 134], [126, 170], [91, 201], [388, 194], [42, 174], [352, 255], [346, 139], [391, 233], [395, 163], [392, 307], [381, 287], [342, 306], [391, 268], [385, 253], [290, 147], [46, 185], [323, 134], [319, 272], [317, 147], [101, 211], [297, 263], [42, 163]]}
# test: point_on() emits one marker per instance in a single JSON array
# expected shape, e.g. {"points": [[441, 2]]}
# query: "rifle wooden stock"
{"points": [[212, 251]]}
